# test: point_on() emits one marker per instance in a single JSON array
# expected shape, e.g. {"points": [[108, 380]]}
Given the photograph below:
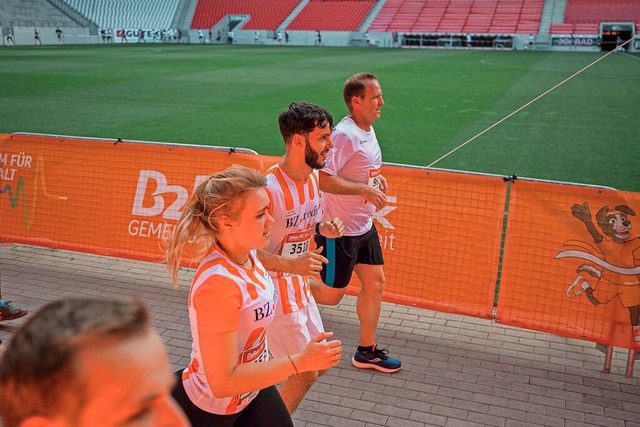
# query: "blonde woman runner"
{"points": [[230, 380]]}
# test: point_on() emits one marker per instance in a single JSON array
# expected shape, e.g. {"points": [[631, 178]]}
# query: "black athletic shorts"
{"points": [[266, 410], [345, 252]]}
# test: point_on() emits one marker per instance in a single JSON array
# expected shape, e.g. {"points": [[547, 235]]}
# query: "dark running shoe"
{"points": [[9, 312], [376, 359]]}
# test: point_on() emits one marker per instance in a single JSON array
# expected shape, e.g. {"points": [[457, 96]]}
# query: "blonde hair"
{"points": [[213, 198]]}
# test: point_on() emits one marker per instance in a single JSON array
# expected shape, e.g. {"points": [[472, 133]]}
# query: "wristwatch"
{"points": [[317, 230]]}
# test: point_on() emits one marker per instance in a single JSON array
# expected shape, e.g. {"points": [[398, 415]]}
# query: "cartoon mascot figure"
{"points": [[616, 274]]}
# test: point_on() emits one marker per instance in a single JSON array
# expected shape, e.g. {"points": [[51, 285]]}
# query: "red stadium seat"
{"points": [[595, 11], [265, 14], [561, 29], [332, 15], [477, 16]]}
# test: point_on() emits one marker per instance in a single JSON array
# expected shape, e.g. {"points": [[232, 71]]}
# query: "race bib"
{"points": [[296, 244], [375, 178], [255, 354]]}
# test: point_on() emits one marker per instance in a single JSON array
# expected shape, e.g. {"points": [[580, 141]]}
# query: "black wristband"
{"points": [[317, 230]]}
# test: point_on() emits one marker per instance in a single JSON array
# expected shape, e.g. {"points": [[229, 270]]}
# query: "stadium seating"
{"points": [[32, 13], [332, 15], [596, 11], [590, 28], [584, 12], [579, 28], [562, 28], [265, 14], [460, 16], [127, 13], [584, 16]]}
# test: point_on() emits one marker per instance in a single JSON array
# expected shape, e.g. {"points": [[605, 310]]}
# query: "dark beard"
{"points": [[311, 158]]}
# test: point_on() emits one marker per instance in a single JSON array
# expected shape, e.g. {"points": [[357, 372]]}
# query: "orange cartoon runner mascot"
{"points": [[615, 255]]}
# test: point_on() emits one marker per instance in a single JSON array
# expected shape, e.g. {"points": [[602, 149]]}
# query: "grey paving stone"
{"points": [[457, 371]]}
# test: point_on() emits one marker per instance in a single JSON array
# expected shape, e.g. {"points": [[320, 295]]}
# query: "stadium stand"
{"points": [[563, 28], [492, 23], [32, 13], [584, 16], [265, 14], [595, 11], [332, 15], [460, 16], [128, 13]]}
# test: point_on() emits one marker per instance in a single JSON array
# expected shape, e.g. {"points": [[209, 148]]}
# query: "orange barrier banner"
{"points": [[116, 199], [440, 231], [440, 234], [571, 262]]}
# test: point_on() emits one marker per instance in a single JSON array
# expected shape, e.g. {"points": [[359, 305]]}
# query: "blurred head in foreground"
{"points": [[87, 363]]}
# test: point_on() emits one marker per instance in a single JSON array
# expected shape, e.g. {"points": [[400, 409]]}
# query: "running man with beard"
{"points": [[293, 188]]}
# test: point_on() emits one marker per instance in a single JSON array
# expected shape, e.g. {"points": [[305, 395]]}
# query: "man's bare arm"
{"points": [[337, 185]]}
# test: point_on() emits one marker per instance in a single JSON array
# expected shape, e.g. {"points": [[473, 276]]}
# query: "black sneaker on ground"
{"points": [[9, 312], [376, 359]]}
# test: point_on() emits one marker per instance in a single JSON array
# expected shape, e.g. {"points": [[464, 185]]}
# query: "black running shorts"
{"points": [[345, 252]]}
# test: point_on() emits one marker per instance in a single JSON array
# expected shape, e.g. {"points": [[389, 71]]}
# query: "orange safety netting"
{"points": [[440, 231], [571, 262]]}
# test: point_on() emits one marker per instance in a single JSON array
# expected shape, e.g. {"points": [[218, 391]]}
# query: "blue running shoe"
{"points": [[9, 312], [376, 359]]}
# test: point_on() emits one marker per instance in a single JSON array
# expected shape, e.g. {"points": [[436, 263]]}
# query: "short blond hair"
{"points": [[37, 370], [356, 86]]}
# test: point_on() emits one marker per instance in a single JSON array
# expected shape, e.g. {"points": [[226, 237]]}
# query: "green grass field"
{"points": [[585, 131]]}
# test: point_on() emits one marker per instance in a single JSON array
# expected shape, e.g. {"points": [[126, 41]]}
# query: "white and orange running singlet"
{"points": [[225, 297]]}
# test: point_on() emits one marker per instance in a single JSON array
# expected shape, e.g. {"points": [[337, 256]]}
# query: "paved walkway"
{"points": [[458, 371]]}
